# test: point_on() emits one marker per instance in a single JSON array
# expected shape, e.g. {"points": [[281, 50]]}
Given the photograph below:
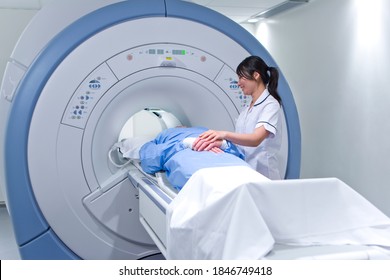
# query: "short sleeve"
{"points": [[269, 117]]}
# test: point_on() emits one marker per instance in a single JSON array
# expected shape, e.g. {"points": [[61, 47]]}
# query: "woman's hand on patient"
{"points": [[209, 140], [213, 135]]}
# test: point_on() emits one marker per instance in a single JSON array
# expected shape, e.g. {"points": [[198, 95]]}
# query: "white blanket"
{"points": [[236, 213]]}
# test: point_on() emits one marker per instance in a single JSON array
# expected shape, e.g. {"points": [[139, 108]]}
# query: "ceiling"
{"points": [[240, 10], [237, 10]]}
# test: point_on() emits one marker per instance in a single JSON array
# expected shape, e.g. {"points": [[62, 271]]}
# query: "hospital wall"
{"points": [[335, 55]]}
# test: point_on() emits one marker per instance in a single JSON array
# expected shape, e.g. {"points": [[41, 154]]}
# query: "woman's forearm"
{"points": [[250, 139]]}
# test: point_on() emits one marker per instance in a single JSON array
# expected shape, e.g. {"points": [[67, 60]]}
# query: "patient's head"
{"points": [[130, 147]]}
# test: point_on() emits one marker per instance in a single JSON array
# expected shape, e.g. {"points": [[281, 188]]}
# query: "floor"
{"points": [[8, 247]]}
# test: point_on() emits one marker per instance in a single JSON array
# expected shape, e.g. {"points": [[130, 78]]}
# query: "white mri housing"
{"points": [[69, 88]]}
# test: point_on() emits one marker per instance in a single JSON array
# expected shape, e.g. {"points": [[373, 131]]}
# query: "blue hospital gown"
{"points": [[168, 153]]}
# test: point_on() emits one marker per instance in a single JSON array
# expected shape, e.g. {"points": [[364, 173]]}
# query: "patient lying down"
{"points": [[171, 151]]}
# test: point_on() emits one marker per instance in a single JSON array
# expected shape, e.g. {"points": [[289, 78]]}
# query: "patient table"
{"points": [[247, 216]]}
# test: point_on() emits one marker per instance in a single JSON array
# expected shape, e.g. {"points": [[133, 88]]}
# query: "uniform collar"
{"points": [[264, 95]]}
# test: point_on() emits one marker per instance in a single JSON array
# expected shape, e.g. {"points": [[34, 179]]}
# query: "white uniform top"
{"points": [[265, 112]]}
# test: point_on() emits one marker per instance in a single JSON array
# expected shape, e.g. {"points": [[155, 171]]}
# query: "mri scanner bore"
{"points": [[68, 94]]}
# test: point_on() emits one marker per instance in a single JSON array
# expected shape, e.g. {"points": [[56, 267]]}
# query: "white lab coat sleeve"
{"points": [[269, 117]]}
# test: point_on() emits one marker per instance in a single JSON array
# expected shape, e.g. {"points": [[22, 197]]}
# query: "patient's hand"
{"points": [[208, 140], [207, 145], [215, 146], [216, 150]]}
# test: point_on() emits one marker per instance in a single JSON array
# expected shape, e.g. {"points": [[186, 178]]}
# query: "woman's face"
{"points": [[247, 86]]}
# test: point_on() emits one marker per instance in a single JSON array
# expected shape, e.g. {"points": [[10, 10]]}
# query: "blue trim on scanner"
{"points": [[46, 247], [29, 223], [194, 12], [27, 218]]}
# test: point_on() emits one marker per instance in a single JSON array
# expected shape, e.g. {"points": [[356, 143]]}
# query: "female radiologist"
{"points": [[258, 127]]}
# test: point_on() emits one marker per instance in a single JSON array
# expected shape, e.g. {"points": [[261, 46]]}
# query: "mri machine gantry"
{"points": [[68, 92]]}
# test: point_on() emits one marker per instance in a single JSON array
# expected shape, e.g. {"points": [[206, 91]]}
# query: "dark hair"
{"points": [[253, 64]]}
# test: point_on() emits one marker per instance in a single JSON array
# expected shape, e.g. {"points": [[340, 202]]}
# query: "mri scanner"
{"points": [[77, 75]]}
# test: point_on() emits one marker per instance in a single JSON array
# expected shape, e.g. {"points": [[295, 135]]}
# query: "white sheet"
{"points": [[236, 213]]}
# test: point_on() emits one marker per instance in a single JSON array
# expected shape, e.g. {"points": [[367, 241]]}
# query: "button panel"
{"points": [[87, 95], [165, 55]]}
